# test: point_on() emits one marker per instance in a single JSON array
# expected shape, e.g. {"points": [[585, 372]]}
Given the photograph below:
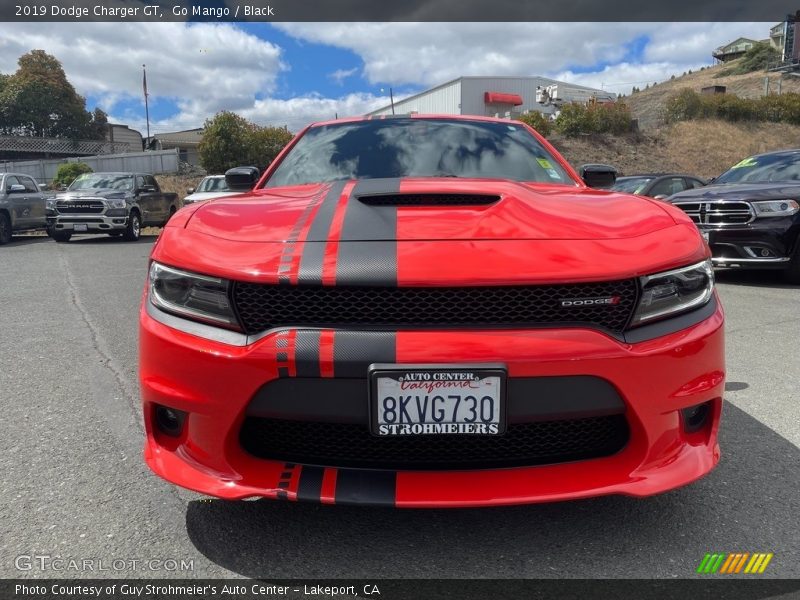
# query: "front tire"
{"points": [[5, 229], [60, 236], [134, 228]]}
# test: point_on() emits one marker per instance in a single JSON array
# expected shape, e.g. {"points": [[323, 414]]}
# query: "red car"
{"points": [[430, 311]]}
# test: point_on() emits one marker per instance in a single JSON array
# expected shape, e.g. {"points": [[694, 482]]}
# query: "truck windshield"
{"points": [[764, 169], [99, 181], [412, 147]]}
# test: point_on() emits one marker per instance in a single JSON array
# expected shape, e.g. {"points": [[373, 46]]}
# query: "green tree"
{"points": [[230, 141], [538, 121], [225, 143], [266, 143], [38, 100], [68, 172]]}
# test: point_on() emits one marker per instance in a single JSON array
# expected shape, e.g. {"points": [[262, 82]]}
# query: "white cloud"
{"points": [[205, 67], [431, 53], [339, 75]]}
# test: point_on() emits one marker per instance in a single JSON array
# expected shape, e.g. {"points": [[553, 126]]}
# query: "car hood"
{"points": [[198, 196], [741, 191], [413, 210]]}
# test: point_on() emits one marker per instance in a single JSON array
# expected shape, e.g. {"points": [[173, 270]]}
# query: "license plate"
{"points": [[80, 227], [437, 399]]}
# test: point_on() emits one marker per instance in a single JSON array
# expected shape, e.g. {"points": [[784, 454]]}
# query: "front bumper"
{"points": [[215, 383], [763, 243], [92, 223]]}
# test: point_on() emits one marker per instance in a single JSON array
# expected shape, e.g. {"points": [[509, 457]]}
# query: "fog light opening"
{"points": [[170, 420], [696, 417]]}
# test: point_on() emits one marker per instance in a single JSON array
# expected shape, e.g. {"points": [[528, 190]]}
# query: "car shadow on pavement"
{"points": [[26, 240], [749, 503], [772, 278], [107, 239]]}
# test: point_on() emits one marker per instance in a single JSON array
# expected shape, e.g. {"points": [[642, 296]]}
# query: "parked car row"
{"points": [[117, 204]]}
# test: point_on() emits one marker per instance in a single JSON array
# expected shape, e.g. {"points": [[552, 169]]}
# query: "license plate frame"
{"points": [[479, 372]]}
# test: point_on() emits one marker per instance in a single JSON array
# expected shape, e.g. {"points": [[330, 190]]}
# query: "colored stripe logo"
{"points": [[735, 562]]}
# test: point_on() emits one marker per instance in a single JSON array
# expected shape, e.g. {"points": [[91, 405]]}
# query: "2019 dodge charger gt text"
{"points": [[430, 311]]}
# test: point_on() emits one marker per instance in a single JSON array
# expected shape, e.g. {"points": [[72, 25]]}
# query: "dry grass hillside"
{"points": [[647, 105], [705, 148]]}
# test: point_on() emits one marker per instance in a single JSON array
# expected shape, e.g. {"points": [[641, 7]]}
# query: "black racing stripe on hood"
{"points": [[362, 486], [314, 248], [368, 249]]}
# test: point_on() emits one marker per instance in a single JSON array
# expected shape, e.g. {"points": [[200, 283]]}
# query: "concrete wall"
{"points": [[157, 162]]}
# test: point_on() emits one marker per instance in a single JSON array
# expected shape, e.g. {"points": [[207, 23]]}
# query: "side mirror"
{"points": [[147, 188], [242, 179], [16, 188], [190, 191], [44, 187], [660, 197], [598, 176]]}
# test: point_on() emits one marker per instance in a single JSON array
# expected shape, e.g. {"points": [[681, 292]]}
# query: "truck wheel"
{"points": [[172, 211], [792, 272], [134, 228], [5, 228], [61, 236]]}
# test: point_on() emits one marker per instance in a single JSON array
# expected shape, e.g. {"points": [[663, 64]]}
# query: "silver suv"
{"points": [[22, 205]]}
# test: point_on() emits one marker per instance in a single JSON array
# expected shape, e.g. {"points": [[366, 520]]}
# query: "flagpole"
{"points": [[146, 107]]}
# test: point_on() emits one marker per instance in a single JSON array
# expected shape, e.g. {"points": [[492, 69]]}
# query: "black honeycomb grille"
{"points": [[353, 446], [261, 307], [429, 199]]}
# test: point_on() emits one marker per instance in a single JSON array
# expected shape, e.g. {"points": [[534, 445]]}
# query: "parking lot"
{"points": [[75, 485]]}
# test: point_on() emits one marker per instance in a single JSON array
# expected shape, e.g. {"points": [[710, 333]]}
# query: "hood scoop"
{"points": [[428, 199]]}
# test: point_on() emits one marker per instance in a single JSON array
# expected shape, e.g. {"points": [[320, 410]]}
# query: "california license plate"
{"points": [[80, 227], [437, 399]]}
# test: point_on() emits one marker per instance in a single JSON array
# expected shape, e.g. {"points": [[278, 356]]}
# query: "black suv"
{"points": [[751, 213]]}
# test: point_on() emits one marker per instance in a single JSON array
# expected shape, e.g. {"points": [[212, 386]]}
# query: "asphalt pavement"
{"points": [[74, 485]]}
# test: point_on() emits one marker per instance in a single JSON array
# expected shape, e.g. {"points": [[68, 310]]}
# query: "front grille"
{"points": [[80, 208], [718, 213], [353, 446], [261, 307], [428, 199]]}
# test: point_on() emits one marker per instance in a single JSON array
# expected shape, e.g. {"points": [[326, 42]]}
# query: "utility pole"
{"points": [[146, 107]]}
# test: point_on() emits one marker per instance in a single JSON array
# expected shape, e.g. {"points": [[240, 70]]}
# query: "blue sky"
{"points": [[293, 73]]}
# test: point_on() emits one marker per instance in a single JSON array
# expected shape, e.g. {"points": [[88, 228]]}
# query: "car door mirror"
{"points": [[598, 176], [16, 188], [242, 179], [190, 191], [147, 188], [660, 197]]}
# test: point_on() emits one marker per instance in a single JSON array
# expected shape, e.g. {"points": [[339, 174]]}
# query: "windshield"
{"points": [[631, 185], [407, 147], [764, 169], [213, 184], [99, 181]]}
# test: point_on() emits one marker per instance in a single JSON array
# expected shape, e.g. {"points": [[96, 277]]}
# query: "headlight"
{"points": [[117, 202], [776, 208], [666, 294], [50, 204], [190, 295]]}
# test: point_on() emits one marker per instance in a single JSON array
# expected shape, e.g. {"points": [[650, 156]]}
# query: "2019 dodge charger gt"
{"points": [[430, 311]]}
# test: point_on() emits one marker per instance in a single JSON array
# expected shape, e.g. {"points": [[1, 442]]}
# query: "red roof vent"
{"points": [[501, 98]]}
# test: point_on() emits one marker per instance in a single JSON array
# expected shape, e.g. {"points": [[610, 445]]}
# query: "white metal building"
{"points": [[485, 96]]}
